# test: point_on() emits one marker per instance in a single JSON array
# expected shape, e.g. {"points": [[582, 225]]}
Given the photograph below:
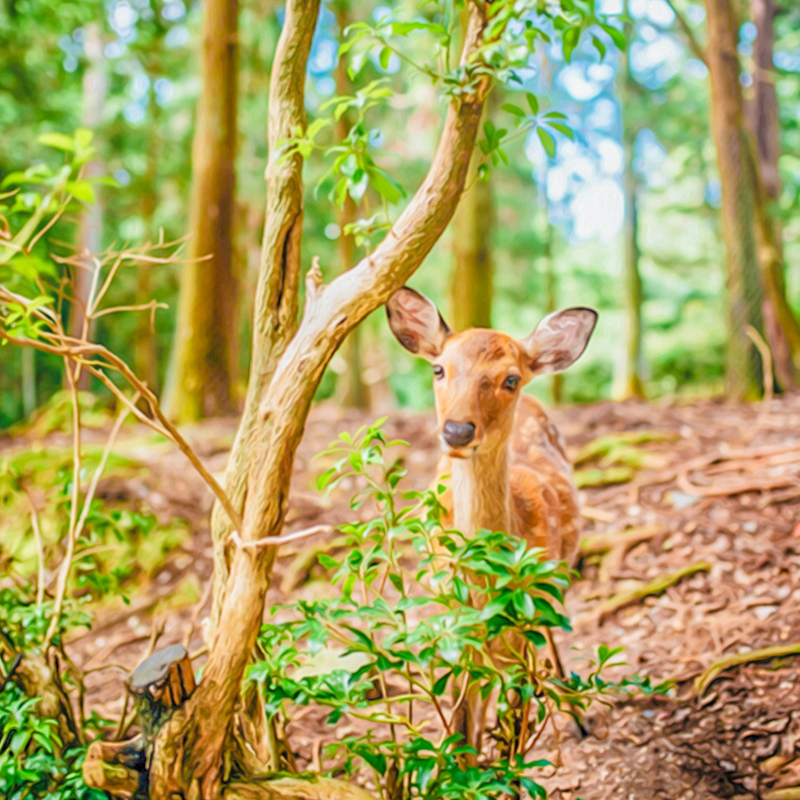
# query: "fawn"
{"points": [[506, 459]]}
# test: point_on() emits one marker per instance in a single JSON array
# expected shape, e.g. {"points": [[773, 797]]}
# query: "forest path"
{"points": [[730, 742]]}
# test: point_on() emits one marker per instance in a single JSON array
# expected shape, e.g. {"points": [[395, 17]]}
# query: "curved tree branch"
{"points": [[691, 37]]}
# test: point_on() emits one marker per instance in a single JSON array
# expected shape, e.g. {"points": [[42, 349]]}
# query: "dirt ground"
{"points": [[723, 488]]}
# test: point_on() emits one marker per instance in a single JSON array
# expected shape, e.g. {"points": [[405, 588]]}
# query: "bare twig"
{"points": [[79, 350], [76, 527], [691, 38], [37, 532], [275, 541]]}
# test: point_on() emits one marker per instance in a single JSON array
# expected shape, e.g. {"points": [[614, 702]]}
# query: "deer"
{"points": [[506, 459]]}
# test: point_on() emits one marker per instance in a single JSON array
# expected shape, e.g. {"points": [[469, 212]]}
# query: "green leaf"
{"points": [[571, 37], [532, 102], [57, 140], [385, 57], [548, 142], [81, 190], [512, 109], [599, 46], [617, 36], [562, 128], [384, 185]]}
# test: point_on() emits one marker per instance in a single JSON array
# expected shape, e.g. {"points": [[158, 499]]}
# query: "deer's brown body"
{"points": [[505, 457]]}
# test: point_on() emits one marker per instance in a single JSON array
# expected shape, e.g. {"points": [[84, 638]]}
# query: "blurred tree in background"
{"points": [[201, 372]]}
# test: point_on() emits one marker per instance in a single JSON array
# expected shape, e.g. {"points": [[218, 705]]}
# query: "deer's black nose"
{"points": [[458, 434]]}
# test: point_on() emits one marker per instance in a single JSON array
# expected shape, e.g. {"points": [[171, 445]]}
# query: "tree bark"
{"points": [[740, 201], [203, 357], [276, 303], [188, 757], [472, 276], [782, 326], [632, 383]]}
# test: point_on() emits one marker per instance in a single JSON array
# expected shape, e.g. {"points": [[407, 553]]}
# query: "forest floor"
{"points": [[718, 492]]}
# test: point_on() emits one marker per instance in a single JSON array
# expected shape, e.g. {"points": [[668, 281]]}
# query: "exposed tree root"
{"points": [[702, 682], [295, 789], [657, 586], [612, 547], [602, 477]]}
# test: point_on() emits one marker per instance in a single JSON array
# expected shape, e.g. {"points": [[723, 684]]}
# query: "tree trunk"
{"points": [[631, 384], [471, 278], [188, 761], [276, 302], [353, 392], [740, 201], [782, 326], [201, 372], [95, 89]]}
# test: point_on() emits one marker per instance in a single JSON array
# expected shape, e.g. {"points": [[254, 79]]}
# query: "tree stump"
{"points": [[159, 685]]}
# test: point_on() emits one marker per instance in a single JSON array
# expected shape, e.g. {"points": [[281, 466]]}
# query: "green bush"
{"points": [[419, 617]]}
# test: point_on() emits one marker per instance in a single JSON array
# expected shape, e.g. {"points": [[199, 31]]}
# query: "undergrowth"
{"points": [[424, 619]]}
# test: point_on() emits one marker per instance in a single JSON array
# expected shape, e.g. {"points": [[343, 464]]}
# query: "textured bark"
{"points": [[764, 107], [740, 201], [188, 760], [780, 322], [631, 384], [276, 303], [203, 358], [472, 276]]}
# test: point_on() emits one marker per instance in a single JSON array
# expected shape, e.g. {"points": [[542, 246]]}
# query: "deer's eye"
{"points": [[438, 371], [511, 382]]}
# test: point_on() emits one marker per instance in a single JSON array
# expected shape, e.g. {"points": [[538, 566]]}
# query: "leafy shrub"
{"points": [[415, 629], [32, 764]]}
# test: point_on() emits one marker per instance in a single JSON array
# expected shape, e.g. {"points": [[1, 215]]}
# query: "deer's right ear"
{"points": [[416, 323]]}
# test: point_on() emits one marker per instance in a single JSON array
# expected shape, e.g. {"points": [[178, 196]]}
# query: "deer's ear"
{"points": [[559, 339], [416, 323]]}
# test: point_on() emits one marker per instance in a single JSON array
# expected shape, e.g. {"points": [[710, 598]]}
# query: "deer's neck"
{"points": [[481, 497]]}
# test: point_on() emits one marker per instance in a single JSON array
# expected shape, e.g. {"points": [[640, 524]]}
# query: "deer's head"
{"points": [[478, 373]]}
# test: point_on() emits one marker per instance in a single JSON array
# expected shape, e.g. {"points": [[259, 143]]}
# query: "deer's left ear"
{"points": [[559, 339]]}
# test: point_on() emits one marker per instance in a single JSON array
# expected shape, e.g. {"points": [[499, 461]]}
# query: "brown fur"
{"points": [[520, 478]]}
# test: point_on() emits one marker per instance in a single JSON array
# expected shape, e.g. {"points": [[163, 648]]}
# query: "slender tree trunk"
{"points": [[187, 759], [631, 384], [782, 326], [740, 201], [353, 391], [95, 89], [471, 280], [203, 358]]}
